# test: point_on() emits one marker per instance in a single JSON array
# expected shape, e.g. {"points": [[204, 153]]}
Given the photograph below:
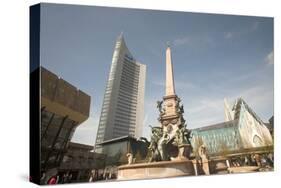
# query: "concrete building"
{"points": [[63, 108], [243, 129], [123, 104]]}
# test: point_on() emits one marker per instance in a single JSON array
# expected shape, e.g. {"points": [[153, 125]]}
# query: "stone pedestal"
{"points": [[161, 169], [243, 169], [205, 167]]}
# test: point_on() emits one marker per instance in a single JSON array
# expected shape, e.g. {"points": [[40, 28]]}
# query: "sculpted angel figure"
{"points": [[159, 106]]}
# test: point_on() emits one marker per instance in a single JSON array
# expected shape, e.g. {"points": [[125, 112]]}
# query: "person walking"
{"points": [[52, 180]]}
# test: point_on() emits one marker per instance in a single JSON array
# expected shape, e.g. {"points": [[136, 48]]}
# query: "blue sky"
{"points": [[214, 56]]}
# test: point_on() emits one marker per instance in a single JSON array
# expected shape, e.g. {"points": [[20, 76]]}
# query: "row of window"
{"points": [[129, 58], [130, 97], [128, 94], [102, 124], [121, 129], [125, 115], [105, 106], [100, 136], [106, 99], [107, 102], [128, 76], [131, 64], [100, 132], [129, 88], [130, 70], [125, 122], [126, 109], [124, 126], [128, 103], [117, 133], [130, 83]]}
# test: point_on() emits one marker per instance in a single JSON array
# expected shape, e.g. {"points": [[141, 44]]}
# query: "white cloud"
{"points": [[196, 41], [181, 41], [251, 28], [269, 59], [209, 110], [259, 98], [204, 111]]}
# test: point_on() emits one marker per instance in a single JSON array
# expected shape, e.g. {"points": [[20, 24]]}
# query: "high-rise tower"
{"points": [[123, 104]]}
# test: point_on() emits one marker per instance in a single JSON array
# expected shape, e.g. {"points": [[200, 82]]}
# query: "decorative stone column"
{"points": [[171, 114]]}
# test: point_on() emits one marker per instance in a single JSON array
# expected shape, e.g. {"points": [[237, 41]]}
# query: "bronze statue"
{"points": [[181, 109], [157, 133], [178, 102], [159, 106], [165, 144], [182, 136]]}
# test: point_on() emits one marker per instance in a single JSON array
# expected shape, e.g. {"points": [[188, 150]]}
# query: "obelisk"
{"points": [[170, 85], [172, 116]]}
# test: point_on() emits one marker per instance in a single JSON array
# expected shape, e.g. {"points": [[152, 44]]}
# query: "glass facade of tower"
{"points": [[125, 118], [220, 138], [122, 109]]}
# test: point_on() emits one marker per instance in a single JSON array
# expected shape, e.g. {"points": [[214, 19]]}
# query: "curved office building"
{"points": [[123, 104]]}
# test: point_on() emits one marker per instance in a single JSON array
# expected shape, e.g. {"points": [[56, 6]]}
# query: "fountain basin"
{"points": [[243, 169], [152, 170]]}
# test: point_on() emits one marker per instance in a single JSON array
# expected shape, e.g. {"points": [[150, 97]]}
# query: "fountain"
{"points": [[170, 148]]}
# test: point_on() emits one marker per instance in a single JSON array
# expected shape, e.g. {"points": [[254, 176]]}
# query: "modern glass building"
{"points": [[243, 130], [123, 104], [219, 138]]}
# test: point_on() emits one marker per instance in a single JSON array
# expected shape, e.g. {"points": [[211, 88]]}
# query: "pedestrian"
{"points": [[52, 180], [92, 176], [258, 159], [43, 179], [69, 178]]}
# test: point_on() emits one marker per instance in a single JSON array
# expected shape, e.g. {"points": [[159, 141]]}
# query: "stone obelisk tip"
{"points": [[170, 86]]}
